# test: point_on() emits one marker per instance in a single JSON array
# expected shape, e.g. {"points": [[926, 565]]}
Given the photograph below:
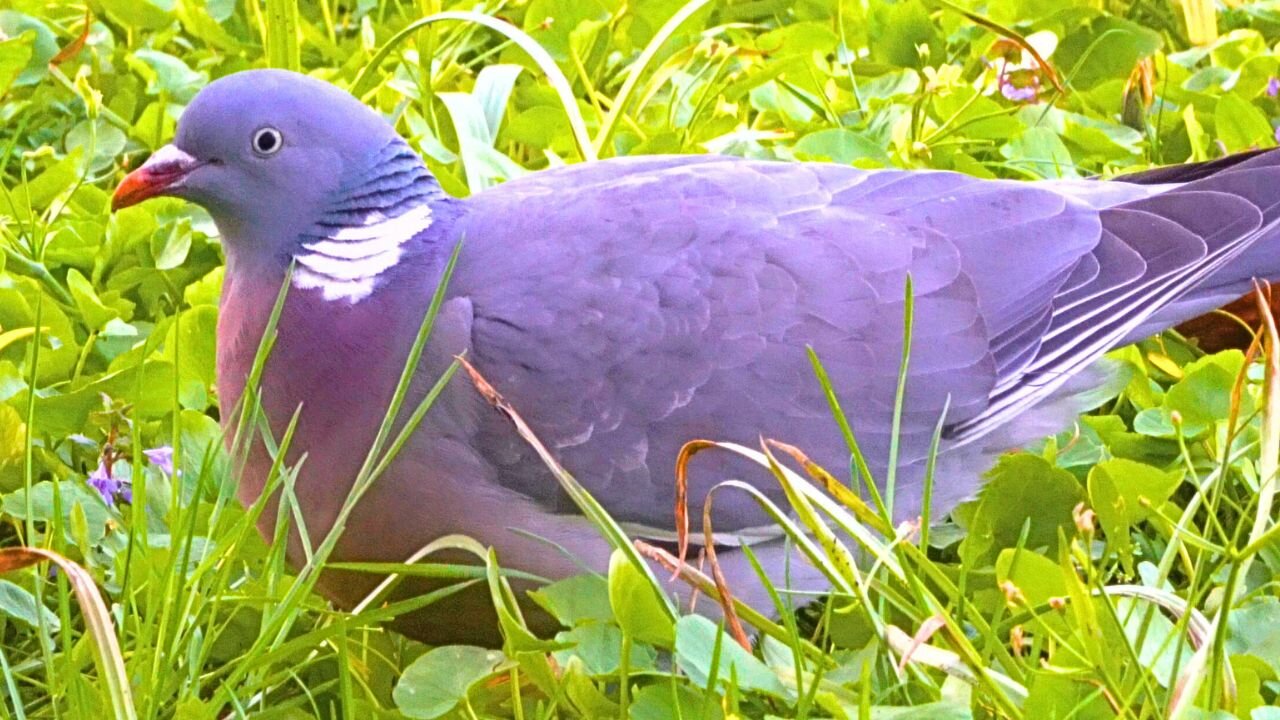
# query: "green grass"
{"points": [[1125, 569]]}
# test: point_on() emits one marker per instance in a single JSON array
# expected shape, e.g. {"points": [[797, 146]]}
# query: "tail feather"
{"points": [[1188, 172], [1182, 237], [1253, 176]]}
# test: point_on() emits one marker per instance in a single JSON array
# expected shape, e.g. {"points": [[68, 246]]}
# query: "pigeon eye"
{"points": [[267, 141]]}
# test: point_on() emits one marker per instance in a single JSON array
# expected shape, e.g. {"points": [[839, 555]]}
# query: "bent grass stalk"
{"points": [[98, 623], [637, 68], [364, 82], [593, 510]]}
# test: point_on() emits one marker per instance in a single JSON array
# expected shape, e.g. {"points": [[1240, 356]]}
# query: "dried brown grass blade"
{"points": [[74, 47], [596, 513], [1011, 35], [699, 581], [687, 451], [96, 617], [722, 583], [1251, 354]]}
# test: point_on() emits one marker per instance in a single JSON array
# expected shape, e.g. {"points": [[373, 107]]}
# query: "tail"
{"points": [[1174, 244], [1253, 176]]}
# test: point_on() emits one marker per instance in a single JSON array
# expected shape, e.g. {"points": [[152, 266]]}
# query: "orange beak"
{"points": [[161, 174]]}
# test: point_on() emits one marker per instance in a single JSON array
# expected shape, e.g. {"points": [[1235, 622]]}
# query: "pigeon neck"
{"points": [[368, 227]]}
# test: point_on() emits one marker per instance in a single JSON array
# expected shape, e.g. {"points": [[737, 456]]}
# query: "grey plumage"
{"points": [[627, 306]]}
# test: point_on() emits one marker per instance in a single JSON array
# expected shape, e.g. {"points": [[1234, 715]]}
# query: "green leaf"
{"points": [[1201, 398], [695, 643], [492, 90], [599, 647], [900, 30], [589, 699], [131, 225], [438, 682], [1123, 492], [42, 41], [169, 247], [167, 74], [17, 602], [75, 243], [1022, 490], [15, 53], [72, 493], [667, 700], [1039, 152], [1255, 630], [972, 115], [576, 600], [148, 14], [842, 146], [54, 181], [800, 38], [1161, 646], [199, 22], [63, 414], [108, 142], [484, 166], [1250, 674], [1058, 695], [95, 313], [207, 290], [1236, 47], [1038, 577], [541, 126], [639, 611], [1100, 138], [201, 436], [585, 38], [194, 338], [551, 22], [1104, 48], [1240, 125]]}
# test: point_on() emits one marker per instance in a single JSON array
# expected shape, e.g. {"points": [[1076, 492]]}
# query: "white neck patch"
{"points": [[345, 263]]}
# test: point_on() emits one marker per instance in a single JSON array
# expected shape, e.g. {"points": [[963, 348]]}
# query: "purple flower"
{"points": [[108, 487], [1277, 134], [162, 458], [1273, 87], [1012, 92]]}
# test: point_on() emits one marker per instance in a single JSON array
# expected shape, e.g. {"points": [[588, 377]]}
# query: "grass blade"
{"points": [[364, 82], [613, 533], [623, 98], [281, 34], [97, 622]]}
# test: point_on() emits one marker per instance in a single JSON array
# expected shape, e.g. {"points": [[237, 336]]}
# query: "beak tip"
{"points": [[164, 170], [133, 190]]}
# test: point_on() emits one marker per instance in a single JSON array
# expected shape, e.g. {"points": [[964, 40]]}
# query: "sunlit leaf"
{"points": [[439, 680]]}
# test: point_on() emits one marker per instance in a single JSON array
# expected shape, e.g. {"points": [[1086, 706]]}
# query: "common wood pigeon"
{"points": [[626, 306]]}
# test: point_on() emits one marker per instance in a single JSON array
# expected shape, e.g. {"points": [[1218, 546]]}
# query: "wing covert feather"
{"points": [[675, 300]]}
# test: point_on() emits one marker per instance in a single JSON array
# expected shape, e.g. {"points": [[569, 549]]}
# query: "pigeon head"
{"points": [[269, 153]]}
